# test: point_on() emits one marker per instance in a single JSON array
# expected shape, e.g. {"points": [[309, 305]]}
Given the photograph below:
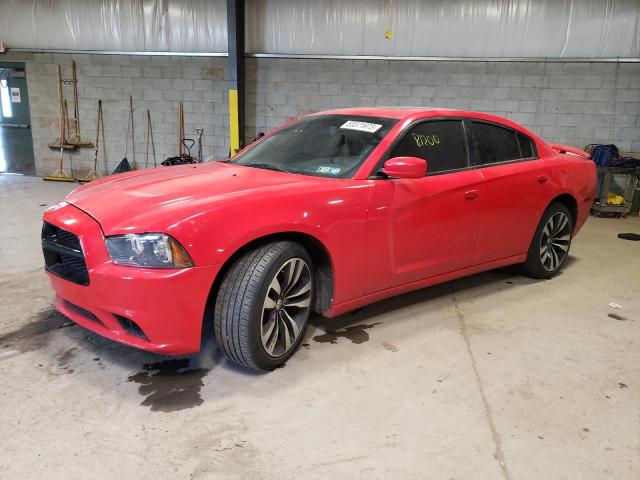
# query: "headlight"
{"points": [[151, 250]]}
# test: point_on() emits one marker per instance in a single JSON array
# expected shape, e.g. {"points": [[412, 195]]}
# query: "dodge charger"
{"points": [[326, 214]]}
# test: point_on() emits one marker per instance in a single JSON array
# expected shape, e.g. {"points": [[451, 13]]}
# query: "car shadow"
{"points": [[130, 358], [175, 383], [501, 278], [211, 356]]}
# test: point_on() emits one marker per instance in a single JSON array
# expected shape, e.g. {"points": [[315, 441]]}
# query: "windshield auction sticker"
{"points": [[329, 170], [361, 126]]}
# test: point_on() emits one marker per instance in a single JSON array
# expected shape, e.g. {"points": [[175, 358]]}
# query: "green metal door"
{"points": [[16, 143]]}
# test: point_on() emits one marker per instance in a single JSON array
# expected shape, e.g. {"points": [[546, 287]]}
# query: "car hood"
{"points": [[157, 198]]}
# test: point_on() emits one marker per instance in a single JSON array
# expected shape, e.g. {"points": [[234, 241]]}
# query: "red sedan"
{"points": [[328, 213]]}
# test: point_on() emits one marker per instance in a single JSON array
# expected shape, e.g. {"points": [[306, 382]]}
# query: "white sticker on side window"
{"points": [[361, 126]]}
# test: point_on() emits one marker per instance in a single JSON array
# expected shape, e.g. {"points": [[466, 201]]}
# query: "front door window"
{"points": [[442, 143]]}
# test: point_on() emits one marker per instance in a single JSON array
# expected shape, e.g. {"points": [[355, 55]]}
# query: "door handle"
{"points": [[471, 194], [542, 179]]}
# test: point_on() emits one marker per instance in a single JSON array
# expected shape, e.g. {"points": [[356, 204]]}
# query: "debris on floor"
{"points": [[389, 346], [615, 305], [629, 236], [228, 444]]}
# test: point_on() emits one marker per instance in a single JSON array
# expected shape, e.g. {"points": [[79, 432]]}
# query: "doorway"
{"points": [[16, 142]]}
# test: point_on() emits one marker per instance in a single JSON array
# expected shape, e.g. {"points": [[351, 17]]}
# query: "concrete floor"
{"points": [[493, 376]]}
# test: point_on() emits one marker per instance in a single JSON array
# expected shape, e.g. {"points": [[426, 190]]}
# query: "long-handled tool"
{"points": [[76, 138], [61, 142], [61, 175], [180, 128], [93, 174], [133, 137], [124, 165], [200, 131], [66, 115], [150, 140], [66, 122]]}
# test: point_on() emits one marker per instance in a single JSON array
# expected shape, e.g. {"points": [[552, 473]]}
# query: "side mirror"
{"points": [[405, 167]]}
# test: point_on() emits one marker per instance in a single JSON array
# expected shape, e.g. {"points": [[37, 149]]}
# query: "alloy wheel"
{"points": [[555, 240], [286, 307]]}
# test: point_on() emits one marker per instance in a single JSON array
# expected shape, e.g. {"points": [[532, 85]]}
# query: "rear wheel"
{"points": [[550, 245], [263, 305]]}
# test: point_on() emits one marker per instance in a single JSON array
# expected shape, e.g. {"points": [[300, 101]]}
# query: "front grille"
{"points": [[67, 239], [63, 254]]}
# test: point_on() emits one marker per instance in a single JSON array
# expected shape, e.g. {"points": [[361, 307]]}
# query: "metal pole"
{"points": [[235, 29]]}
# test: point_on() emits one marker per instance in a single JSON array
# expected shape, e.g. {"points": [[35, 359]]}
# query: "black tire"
{"points": [[241, 302], [534, 266]]}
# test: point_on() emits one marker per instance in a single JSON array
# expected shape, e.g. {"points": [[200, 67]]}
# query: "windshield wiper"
{"points": [[266, 166]]}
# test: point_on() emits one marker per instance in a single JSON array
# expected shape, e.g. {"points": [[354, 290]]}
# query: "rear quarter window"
{"points": [[527, 149]]}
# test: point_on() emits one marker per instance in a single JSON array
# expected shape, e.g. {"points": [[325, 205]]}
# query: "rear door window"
{"points": [[495, 144], [442, 143]]}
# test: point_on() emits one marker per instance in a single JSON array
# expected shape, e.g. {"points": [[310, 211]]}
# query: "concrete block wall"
{"points": [[571, 103], [156, 83]]}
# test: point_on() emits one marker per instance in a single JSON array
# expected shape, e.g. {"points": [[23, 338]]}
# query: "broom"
{"points": [[124, 165], [60, 175], [150, 140], [93, 174], [76, 138]]}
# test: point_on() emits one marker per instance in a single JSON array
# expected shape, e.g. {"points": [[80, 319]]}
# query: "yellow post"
{"points": [[234, 129]]}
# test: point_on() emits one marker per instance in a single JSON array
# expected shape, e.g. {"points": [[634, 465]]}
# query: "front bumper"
{"points": [[165, 307]]}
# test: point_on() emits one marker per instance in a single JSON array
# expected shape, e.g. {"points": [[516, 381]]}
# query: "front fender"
{"points": [[336, 218]]}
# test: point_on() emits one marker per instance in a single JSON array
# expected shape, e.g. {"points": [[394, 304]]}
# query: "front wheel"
{"points": [[550, 245], [263, 305]]}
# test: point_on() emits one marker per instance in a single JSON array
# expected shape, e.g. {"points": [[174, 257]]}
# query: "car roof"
{"points": [[416, 113], [390, 112]]}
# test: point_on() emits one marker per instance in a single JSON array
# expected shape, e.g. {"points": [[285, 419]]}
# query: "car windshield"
{"points": [[321, 145]]}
